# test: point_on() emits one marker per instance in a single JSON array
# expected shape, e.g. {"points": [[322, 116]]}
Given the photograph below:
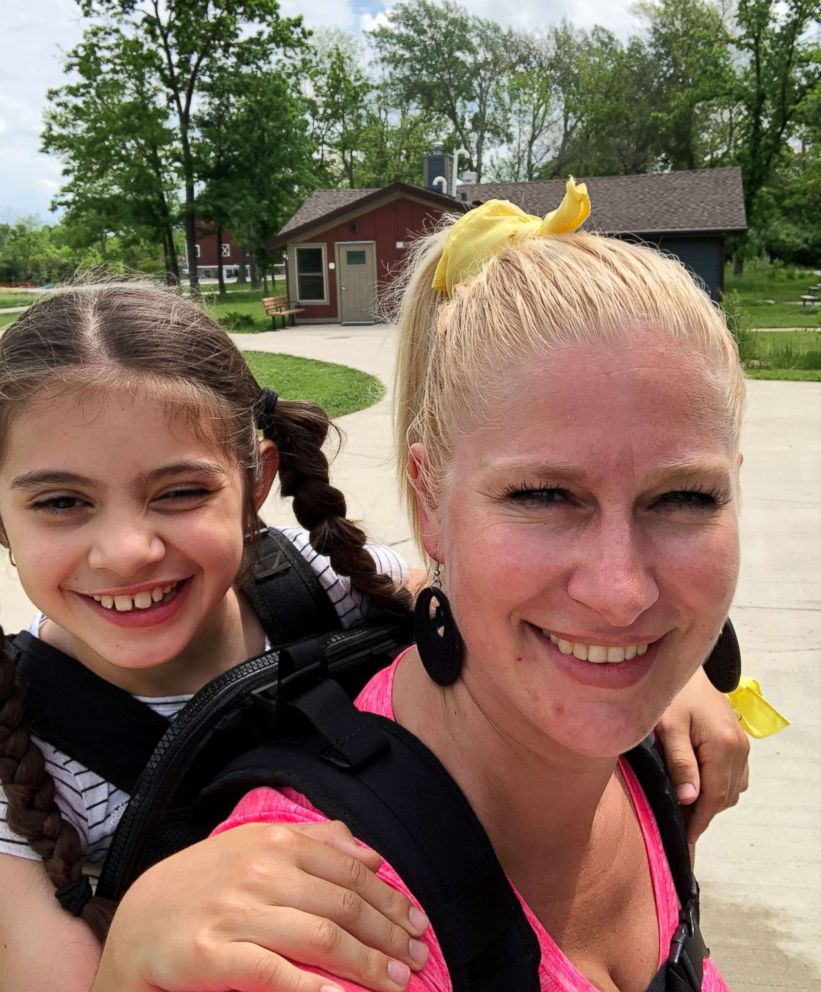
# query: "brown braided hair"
{"points": [[136, 335]]}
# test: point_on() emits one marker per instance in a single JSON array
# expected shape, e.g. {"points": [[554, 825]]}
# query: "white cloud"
{"points": [[322, 13]]}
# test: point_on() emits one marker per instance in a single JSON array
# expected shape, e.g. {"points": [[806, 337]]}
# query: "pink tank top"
{"points": [[556, 972]]}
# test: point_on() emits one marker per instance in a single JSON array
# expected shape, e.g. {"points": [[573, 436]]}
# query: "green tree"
{"points": [[448, 63], [532, 107], [338, 96], [778, 76], [179, 45], [689, 45], [109, 129], [604, 92]]}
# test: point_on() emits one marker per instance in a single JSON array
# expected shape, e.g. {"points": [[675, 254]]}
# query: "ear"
{"points": [[429, 517], [268, 465]]}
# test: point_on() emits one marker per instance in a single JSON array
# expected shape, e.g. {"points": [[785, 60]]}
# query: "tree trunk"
{"points": [[242, 277], [253, 257], [220, 273]]}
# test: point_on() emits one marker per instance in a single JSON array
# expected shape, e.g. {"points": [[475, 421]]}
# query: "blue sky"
{"points": [[33, 33]]}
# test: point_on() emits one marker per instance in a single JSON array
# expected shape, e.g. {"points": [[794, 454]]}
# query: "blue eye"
{"points": [[694, 499], [539, 496]]}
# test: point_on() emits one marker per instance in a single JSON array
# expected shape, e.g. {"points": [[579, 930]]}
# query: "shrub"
{"points": [[234, 320], [739, 325]]}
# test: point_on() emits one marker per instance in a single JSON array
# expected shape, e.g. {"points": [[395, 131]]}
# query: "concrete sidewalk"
{"points": [[760, 864]]}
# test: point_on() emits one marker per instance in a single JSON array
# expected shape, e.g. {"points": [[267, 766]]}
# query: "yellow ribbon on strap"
{"points": [[758, 717], [490, 228]]}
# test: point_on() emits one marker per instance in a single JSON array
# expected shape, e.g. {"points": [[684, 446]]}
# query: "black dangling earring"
{"points": [[436, 634]]}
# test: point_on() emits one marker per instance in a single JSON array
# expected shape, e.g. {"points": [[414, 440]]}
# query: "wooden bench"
{"points": [[277, 306]]}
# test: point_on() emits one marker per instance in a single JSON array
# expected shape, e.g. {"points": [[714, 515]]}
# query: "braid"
{"points": [[299, 431], [32, 811]]}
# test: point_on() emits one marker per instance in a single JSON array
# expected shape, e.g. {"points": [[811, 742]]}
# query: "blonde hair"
{"points": [[533, 296]]}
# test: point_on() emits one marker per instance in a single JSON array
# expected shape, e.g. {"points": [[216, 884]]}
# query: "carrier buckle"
{"points": [[688, 950]]}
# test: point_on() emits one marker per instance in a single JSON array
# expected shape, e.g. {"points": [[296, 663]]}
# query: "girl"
{"points": [[130, 471]]}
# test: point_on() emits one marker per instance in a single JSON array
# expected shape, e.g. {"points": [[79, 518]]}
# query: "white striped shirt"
{"points": [[94, 806]]}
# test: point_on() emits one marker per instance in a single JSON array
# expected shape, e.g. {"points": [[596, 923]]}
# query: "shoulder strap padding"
{"points": [[395, 796], [96, 723], [285, 592]]}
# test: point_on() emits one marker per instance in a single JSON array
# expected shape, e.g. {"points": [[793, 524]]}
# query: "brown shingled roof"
{"points": [[667, 202], [322, 202], [324, 205]]}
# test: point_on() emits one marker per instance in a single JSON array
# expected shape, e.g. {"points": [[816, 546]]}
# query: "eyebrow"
{"points": [[58, 477], [676, 468]]}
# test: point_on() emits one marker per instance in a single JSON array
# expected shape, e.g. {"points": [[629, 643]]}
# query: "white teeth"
{"points": [[142, 601], [597, 654]]}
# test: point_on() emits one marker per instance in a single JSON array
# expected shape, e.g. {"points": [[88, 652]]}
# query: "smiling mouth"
{"points": [[144, 600], [598, 654]]}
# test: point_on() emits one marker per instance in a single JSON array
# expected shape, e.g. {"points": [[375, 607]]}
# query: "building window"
{"points": [[310, 274], [226, 250], [354, 257], [197, 250]]}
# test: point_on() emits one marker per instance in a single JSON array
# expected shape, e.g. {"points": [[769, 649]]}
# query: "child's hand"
{"points": [[227, 913], [706, 752]]}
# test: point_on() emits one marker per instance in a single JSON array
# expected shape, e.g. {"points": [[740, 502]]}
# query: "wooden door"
{"points": [[357, 282]]}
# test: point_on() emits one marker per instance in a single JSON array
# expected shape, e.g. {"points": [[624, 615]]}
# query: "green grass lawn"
{"points": [[336, 388], [9, 298], [789, 355], [241, 301], [770, 295]]}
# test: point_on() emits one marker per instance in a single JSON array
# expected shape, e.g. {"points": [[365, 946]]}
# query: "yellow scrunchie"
{"points": [[755, 714], [488, 229]]}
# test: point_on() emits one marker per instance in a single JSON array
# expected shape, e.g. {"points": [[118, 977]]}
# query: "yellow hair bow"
{"points": [[756, 715], [490, 228]]}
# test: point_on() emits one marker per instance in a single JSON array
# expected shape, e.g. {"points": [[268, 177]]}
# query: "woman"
{"points": [[569, 411]]}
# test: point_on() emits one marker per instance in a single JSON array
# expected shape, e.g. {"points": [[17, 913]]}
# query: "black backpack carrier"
{"points": [[287, 718]]}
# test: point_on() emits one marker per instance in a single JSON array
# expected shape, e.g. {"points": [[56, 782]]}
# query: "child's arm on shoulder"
{"points": [[706, 752], [41, 945], [238, 909]]}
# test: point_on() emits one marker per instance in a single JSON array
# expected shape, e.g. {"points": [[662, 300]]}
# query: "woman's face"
{"points": [[589, 541]]}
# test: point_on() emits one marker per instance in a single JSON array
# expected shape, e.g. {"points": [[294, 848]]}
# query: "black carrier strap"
{"points": [[103, 727], [285, 592], [106, 728], [396, 797], [683, 970]]}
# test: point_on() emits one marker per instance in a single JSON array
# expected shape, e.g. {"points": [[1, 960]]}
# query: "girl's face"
{"points": [[126, 527], [589, 542]]}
